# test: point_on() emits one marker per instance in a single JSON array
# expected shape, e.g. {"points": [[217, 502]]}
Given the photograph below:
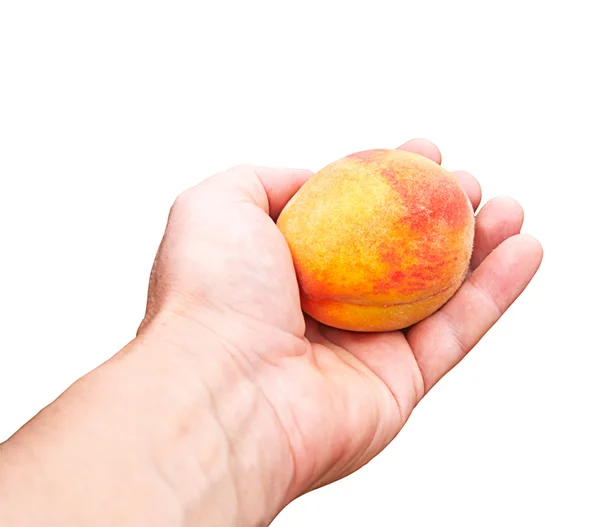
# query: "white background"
{"points": [[109, 109]]}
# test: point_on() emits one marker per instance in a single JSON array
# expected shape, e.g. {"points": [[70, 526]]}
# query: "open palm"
{"points": [[339, 397]]}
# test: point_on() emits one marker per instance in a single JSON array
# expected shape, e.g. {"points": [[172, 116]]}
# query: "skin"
{"points": [[230, 403]]}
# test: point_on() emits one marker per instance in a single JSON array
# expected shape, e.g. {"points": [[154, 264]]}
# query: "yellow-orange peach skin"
{"points": [[380, 240]]}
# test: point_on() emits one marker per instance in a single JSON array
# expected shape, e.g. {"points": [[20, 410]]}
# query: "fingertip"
{"points": [[498, 220], [532, 246], [280, 185], [521, 254], [424, 148], [510, 206], [470, 185]]}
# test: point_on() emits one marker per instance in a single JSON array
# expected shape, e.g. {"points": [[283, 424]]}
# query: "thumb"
{"points": [[268, 188]]}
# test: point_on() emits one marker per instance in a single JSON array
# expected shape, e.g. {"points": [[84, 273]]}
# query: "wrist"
{"points": [[167, 432], [217, 442]]}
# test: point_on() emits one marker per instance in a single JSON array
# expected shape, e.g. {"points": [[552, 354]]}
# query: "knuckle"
{"points": [[183, 201]]}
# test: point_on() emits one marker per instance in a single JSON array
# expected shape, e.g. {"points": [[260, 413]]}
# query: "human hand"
{"points": [[230, 403], [323, 401]]}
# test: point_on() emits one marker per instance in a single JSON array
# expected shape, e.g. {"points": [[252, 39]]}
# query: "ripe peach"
{"points": [[380, 240]]}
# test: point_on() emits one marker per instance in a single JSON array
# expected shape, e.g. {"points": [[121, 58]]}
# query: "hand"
{"points": [[230, 403], [330, 399]]}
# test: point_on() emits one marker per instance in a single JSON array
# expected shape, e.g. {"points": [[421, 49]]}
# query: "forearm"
{"points": [[159, 435]]}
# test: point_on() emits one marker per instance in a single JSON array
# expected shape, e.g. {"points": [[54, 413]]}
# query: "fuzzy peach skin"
{"points": [[380, 240]]}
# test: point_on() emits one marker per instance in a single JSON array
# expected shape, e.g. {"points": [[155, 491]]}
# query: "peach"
{"points": [[380, 240]]}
